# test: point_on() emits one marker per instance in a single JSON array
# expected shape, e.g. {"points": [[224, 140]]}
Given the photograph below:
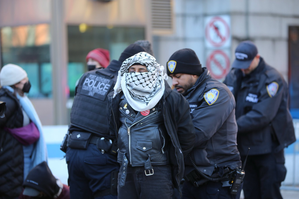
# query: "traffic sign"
{"points": [[217, 31], [218, 63]]}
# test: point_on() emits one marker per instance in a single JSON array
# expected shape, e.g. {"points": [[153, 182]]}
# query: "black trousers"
{"points": [[90, 172], [263, 175], [139, 186]]}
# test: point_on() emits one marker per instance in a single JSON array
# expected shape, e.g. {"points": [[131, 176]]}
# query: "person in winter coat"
{"points": [[21, 136], [154, 130]]}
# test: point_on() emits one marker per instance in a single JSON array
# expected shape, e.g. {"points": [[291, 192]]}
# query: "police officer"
{"points": [[264, 121], [215, 158], [91, 152]]}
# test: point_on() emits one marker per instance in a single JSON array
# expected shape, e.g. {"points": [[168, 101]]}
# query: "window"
{"points": [[83, 38], [29, 47]]}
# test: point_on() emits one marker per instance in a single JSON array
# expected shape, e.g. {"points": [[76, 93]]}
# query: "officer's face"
{"points": [[182, 82], [138, 68], [252, 66]]}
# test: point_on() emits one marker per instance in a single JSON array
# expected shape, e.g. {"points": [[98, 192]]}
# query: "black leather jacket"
{"points": [[263, 117], [179, 128]]}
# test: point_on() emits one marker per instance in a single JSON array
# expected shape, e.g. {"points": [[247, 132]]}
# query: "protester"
{"points": [[97, 59], [91, 151], [215, 157], [154, 130], [21, 138], [40, 183], [264, 121]]}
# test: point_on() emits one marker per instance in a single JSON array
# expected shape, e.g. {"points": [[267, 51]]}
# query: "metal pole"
{"points": [[59, 61]]}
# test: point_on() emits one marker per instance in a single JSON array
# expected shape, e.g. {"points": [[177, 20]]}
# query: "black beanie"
{"points": [[42, 179], [184, 61], [130, 51]]}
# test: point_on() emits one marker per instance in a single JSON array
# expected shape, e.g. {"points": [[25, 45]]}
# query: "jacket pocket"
{"points": [[144, 146]]}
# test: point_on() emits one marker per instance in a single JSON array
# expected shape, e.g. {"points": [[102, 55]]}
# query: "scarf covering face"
{"points": [[142, 90]]}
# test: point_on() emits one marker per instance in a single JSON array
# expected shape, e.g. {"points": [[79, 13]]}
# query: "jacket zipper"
{"points": [[163, 143], [129, 133]]}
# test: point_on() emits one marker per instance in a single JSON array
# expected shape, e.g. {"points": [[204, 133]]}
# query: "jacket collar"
{"points": [[257, 70], [201, 79]]}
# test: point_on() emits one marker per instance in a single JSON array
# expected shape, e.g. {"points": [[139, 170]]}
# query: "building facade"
{"points": [[51, 38]]}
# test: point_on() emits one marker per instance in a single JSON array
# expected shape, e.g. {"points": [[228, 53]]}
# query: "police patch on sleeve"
{"points": [[171, 65], [272, 89], [211, 96]]}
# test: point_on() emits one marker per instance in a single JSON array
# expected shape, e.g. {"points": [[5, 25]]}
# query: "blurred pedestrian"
{"points": [[215, 158], [21, 138], [40, 183], [264, 122], [98, 58], [154, 130], [91, 146]]}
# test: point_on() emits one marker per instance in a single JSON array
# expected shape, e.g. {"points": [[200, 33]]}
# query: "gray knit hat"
{"points": [[11, 74]]}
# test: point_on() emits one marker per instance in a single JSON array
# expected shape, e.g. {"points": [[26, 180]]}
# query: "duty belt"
{"points": [[197, 179], [105, 145]]}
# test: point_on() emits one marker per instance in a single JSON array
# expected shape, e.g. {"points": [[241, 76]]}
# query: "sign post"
{"points": [[218, 43]]}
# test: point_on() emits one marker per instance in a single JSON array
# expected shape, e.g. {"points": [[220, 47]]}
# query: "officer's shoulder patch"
{"points": [[211, 96], [171, 65], [272, 88]]}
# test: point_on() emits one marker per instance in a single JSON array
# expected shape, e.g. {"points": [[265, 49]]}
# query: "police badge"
{"points": [[171, 65], [272, 89], [211, 96]]}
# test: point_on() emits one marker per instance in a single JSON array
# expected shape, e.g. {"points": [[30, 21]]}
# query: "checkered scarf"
{"points": [[142, 90]]}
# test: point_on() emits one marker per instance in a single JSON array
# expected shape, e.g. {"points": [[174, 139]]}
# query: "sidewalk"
{"points": [[286, 194]]}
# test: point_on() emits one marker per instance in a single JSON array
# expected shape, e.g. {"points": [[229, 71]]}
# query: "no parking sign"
{"points": [[218, 63], [217, 31]]}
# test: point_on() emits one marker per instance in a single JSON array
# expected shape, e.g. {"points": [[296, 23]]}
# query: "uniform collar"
{"points": [[257, 70], [201, 79]]}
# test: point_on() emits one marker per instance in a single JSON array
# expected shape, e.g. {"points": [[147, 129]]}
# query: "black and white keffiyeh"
{"points": [[142, 90]]}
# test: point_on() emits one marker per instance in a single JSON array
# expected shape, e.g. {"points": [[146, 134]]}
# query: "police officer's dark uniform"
{"points": [[264, 122], [91, 152], [212, 108]]}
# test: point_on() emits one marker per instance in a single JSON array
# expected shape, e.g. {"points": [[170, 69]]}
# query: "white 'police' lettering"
{"points": [[192, 107], [96, 85], [241, 56], [252, 98]]}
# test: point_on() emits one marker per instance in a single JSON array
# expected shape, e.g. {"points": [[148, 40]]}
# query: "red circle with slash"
{"points": [[220, 29], [218, 64]]}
